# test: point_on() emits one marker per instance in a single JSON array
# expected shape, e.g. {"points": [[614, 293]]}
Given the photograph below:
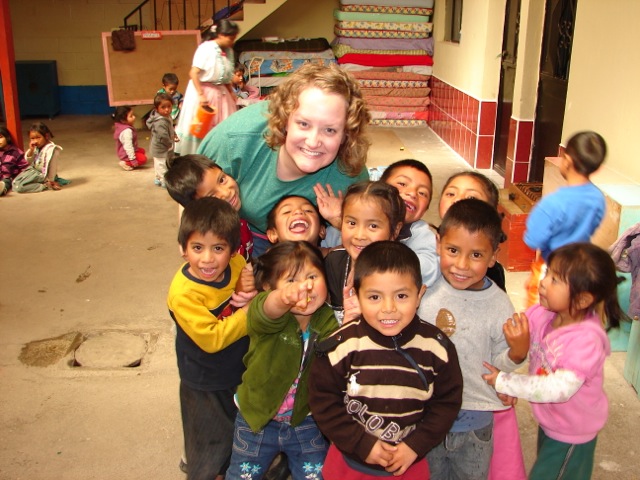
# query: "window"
{"points": [[453, 20]]}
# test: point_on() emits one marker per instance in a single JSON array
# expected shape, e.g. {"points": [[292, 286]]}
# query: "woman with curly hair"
{"points": [[310, 131]]}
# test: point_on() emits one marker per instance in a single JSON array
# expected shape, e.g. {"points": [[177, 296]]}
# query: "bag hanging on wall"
{"points": [[123, 40]]}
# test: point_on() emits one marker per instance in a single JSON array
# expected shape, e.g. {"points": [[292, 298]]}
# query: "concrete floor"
{"points": [[98, 256]]}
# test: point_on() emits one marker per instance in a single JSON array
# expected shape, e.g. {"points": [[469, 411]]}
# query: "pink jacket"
{"points": [[582, 349]]}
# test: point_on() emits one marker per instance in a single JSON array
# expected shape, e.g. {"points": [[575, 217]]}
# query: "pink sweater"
{"points": [[566, 375]]}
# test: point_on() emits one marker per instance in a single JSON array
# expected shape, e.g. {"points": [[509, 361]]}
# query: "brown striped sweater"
{"points": [[363, 388]]}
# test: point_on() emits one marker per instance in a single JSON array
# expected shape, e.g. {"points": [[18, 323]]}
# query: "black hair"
{"points": [[239, 67], [220, 27], [387, 197], [184, 174], [587, 268], [474, 216], [210, 215], [285, 258], [407, 162], [170, 79], [157, 100], [42, 129], [490, 189], [4, 131], [386, 256], [271, 216], [121, 112], [411, 163], [587, 151]]}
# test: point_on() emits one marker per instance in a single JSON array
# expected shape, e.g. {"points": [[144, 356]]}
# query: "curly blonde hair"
{"points": [[352, 154]]}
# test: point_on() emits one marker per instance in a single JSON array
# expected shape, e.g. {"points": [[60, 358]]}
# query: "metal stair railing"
{"points": [[224, 12]]}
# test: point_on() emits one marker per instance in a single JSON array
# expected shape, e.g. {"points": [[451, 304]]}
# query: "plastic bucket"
{"points": [[202, 121]]}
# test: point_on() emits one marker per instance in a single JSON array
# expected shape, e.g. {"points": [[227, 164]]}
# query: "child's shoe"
{"points": [[157, 182]]}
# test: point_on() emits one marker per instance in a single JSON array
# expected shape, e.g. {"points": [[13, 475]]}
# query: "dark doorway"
{"points": [[557, 40], [507, 82]]}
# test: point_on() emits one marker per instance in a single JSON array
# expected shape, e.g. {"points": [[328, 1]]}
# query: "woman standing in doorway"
{"points": [[210, 76]]}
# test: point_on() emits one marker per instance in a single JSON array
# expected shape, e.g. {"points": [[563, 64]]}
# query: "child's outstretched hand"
{"points": [[402, 459], [381, 454], [296, 294], [329, 205], [491, 379], [516, 332]]}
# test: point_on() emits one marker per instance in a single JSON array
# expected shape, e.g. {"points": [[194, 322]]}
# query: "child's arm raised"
{"points": [[516, 332], [329, 205], [245, 287]]}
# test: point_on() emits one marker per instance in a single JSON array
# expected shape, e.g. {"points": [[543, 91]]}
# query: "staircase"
{"points": [[192, 14]]}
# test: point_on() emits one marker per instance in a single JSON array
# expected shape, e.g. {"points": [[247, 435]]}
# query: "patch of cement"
{"points": [[43, 353], [111, 350]]}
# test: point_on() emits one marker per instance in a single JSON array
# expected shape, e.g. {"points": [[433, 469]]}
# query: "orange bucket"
{"points": [[203, 121]]}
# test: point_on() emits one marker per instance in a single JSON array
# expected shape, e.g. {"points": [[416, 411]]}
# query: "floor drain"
{"points": [[111, 350]]}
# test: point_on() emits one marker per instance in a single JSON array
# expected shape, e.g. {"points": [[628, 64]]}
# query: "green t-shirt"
{"points": [[237, 144]]}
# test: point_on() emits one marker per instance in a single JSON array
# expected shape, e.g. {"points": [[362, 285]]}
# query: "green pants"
{"points": [[562, 461]]}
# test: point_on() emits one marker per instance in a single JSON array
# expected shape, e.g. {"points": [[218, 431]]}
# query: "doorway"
{"points": [[557, 40], [507, 82]]}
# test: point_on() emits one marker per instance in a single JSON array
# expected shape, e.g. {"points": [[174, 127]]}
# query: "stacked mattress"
{"points": [[387, 45], [267, 63]]}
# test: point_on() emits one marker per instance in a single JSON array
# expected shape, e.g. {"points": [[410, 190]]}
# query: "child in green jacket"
{"points": [[283, 323]]}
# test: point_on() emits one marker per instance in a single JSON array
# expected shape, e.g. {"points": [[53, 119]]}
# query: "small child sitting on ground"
{"points": [[43, 156], [129, 154], [246, 94], [12, 161]]}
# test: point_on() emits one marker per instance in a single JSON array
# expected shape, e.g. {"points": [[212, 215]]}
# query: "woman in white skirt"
{"points": [[210, 83]]}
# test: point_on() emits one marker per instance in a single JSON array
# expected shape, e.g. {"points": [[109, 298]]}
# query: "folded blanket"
{"points": [[425, 27], [355, 68], [387, 9], [425, 44], [377, 115], [404, 3], [370, 33], [385, 60], [341, 50], [395, 74], [395, 92], [403, 103], [378, 17]]}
